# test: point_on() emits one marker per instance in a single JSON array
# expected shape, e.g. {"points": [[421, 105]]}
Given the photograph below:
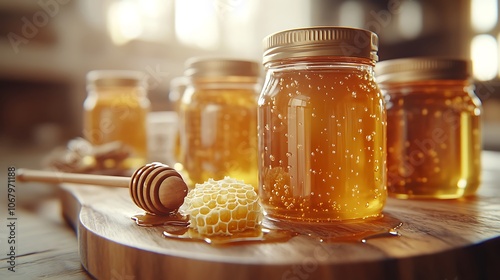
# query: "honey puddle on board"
{"points": [[259, 234], [150, 220], [176, 226]]}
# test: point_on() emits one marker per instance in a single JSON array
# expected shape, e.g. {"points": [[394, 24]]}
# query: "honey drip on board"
{"points": [[355, 231], [149, 220], [260, 234], [177, 227], [363, 236]]}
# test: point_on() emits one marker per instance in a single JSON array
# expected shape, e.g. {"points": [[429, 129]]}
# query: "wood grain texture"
{"points": [[454, 239], [46, 246]]}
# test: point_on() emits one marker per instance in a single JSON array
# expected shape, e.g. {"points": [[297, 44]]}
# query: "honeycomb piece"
{"points": [[222, 207]]}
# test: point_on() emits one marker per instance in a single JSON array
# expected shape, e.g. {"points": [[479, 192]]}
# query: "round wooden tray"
{"points": [[454, 239]]}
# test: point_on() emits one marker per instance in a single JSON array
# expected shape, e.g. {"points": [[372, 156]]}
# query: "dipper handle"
{"points": [[26, 175], [154, 187]]}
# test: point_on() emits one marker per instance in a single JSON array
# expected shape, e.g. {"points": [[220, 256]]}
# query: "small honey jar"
{"points": [[218, 120], [322, 126], [116, 110], [433, 124]]}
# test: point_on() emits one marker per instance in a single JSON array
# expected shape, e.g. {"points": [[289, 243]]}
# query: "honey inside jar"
{"points": [[220, 139], [433, 134], [322, 128], [116, 110], [218, 115]]}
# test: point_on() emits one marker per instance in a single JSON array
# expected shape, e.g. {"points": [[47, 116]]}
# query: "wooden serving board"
{"points": [[455, 239]]}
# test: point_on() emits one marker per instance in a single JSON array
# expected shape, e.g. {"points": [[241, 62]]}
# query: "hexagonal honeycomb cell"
{"points": [[222, 207]]}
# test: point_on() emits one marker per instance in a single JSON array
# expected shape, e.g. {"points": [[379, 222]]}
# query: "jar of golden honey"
{"points": [[116, 110], [322, 126], [218, 120], [433, 124]]}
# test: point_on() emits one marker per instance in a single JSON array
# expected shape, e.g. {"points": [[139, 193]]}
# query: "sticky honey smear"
{"points": [[228, 212], [223, 207]]}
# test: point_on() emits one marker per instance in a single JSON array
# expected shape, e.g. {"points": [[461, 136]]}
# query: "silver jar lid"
{"points": [[321, 41], [119, 78], [421, 69], [213, 67]]}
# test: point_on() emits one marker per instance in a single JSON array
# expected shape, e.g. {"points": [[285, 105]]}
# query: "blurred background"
{"points": [[48, 46]]}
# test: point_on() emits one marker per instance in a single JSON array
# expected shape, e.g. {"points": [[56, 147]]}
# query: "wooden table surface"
{"points": [[47, 246]]}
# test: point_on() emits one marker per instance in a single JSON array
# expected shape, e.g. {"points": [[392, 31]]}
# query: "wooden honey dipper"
{"points": [[154, 187]]}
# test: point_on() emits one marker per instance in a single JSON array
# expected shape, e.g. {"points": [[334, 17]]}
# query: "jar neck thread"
{"points": [[321, 62]]}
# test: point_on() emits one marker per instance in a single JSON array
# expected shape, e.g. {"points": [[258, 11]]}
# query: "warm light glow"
{"points": [[484, 54], [138, 19], [196, 23], [351, 13], [462, 183], [150, 8], [124, 23], [410, 20], [235, 16], [484, 14], [156, 19]]}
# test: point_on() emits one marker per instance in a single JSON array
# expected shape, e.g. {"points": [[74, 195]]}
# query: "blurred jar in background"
{"points": [[218, 120], [115, 111], [162, 134], [433, 125]]}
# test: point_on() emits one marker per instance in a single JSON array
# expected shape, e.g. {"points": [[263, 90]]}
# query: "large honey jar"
{"points": [[116, 110], [433, 119], [322, 126], [218, 120]]}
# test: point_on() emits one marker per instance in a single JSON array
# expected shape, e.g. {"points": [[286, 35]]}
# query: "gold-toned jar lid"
{"points": [[321, 41], [421, 69], [213, 67], [106, 78]]}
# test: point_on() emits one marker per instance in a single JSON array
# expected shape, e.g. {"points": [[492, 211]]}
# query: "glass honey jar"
{"points": [[218, 120], [433, 124], [322, 126], [116, 110]]}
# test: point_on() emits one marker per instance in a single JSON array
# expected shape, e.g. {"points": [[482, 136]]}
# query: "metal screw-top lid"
{"points": [[421, 69], [321, 41], [120, 78], [210, 67]]}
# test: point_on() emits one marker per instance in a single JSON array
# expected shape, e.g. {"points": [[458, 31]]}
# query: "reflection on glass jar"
{"points": [[322, 126], [177, 89], [218, 120], [433, 119], [116, 109]]}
